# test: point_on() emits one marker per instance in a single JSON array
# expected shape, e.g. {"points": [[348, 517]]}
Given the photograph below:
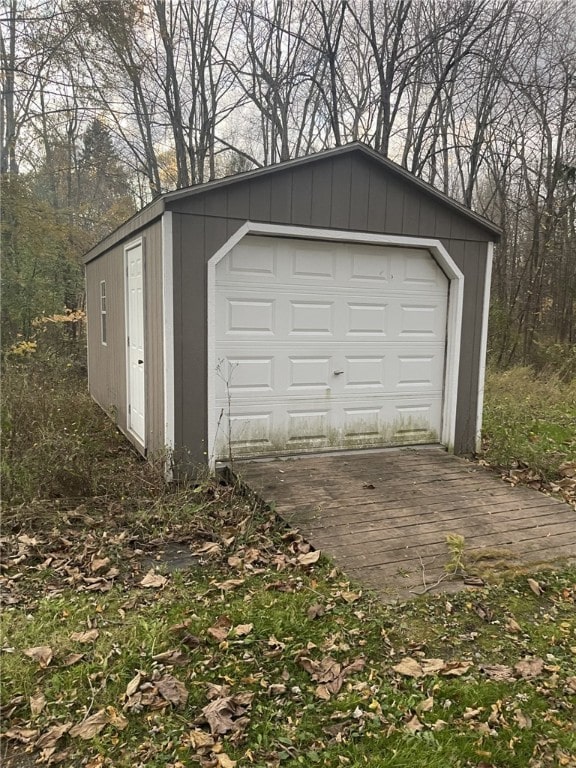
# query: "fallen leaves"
{"points": [[91, 726], [409, 667], [227, 714], [85, 637], [37, 703], [330, 674], [41, 654], [154, 580], [154, 692]]}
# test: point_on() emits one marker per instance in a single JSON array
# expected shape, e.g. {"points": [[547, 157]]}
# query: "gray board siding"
{"points": [[344, 192], [107, 363]]}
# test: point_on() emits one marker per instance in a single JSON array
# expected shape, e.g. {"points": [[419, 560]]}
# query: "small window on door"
{"points": [[103, 313]]}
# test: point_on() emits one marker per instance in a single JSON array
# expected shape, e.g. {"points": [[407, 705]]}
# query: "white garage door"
{"points": [[324, 346]]}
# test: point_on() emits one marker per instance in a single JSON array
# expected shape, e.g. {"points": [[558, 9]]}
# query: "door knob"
{"points": [[140, 362], [338, 373]]}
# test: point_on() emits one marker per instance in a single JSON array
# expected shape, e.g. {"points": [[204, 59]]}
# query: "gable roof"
{"points": [[157, 207]]}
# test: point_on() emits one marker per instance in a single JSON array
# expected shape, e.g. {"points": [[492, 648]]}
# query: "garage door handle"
{"points": [[140, 362], [338, 373]]}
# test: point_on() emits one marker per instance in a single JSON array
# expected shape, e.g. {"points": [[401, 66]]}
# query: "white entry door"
{"points": [[327, 346], [135, 372]]}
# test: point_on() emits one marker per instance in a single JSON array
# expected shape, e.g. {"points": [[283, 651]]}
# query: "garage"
{"points": [[329, 303], [327, 346]]}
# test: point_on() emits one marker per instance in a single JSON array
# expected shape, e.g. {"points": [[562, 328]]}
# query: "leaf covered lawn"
{"points": [[259, 653]]}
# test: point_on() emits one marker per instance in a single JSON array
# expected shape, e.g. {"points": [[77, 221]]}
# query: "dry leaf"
{"points": [[425, 706], [456, 668], [72, 658], [154, 580], [471, 714], [115, 719], [210, 548], [529, 667], [173, 690], [309, 558], [172, 657], [221, 629], [409, 668], [224, 761], [350, 597], [524, 721], [41, 653], [229, 584], [498, 672], [200, 739], [316, 610], [222, 714], [241, 630], [90, 727], [85, 637], [433, 666], [48, 740], [414, 725], [37, 703], [512, 625], [98, 564], [133, 685], [22, 735], [535, 587]]}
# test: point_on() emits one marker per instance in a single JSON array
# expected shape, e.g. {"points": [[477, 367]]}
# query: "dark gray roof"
{"points": [[157, 207]]}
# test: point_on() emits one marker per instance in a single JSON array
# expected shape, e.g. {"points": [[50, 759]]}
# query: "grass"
{"points": [[247, 628], [530, 421]]}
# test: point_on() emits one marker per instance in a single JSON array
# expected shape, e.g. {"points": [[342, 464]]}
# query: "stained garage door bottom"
{"points": [[384, 516]]}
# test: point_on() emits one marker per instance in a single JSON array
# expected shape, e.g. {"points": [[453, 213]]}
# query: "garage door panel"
{"points": [[308, 372], [324, 346], [366, 319], [366, 266], [418, 270], [250, 316], [259, 261], [315, 263], [245, 375], [422, 320], [311, 318]]}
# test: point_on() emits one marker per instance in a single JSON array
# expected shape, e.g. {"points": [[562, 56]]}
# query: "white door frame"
{"points": [[453, 325], [139, 242]]}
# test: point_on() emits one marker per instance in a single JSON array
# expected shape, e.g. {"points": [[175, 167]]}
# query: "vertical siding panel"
{"points": [[322, 190], [342, 184], [107, 363], [192, 351], [178, 329], [443, 222], [238, 202], [426, 217], [378, 194], [394, 215], [458, 229], [411, 217], [359, 194], [281, 198], [301, 197], [260, 199]]}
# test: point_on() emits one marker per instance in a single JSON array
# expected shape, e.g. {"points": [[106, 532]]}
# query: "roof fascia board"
{"points": [[129, 228]]}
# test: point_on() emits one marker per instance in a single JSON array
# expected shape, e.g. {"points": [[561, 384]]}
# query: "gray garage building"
{"points": [[330, 302]]}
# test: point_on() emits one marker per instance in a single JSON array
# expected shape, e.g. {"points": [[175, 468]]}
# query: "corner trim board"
{"points": [[484, 344], [454, 319], [168, 330]]}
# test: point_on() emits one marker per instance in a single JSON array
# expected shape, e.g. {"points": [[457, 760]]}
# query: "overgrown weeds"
{"points": [[530, 421]]}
